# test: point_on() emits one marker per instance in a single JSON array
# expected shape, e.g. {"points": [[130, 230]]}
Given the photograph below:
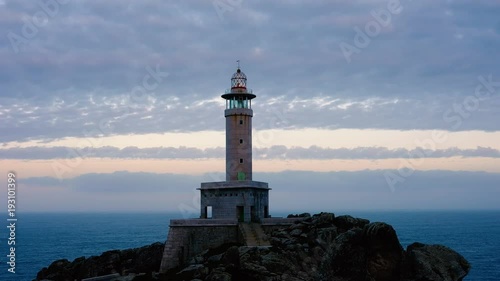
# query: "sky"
{"points": [[114, 106]]}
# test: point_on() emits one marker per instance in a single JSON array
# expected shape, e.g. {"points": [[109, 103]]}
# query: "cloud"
{"points": [[111, 152], [273, 152], [314, 152], [291, 191], [121, 181], [80, 68], [97, 114]]}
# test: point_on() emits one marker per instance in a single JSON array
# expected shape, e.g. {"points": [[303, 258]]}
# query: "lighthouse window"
{"points": [[241, 160], [241, 121], [241, 141], [209, 212]]}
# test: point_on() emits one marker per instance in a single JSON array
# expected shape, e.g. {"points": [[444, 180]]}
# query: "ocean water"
{"points": [[43, 237]]}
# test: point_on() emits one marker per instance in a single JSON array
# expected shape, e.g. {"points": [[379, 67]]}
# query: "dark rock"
{"points": [[232, 257], [143, 277], [384, 253], [324, 219], [219, 274], [303, 215], [327, 248], [145, 259], [296, 232], [346, 257], [347, 222], [215, 259], [274, 262], [434, 262], [57, 271], [190, 272], [319, 248]]}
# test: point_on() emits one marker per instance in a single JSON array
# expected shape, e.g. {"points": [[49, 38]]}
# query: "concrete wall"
{"points": [[225, 203], [188, 238]]}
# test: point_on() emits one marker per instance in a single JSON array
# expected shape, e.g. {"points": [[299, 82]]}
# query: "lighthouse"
{"points": [[232, 211], [238, 115], [239, 197]]}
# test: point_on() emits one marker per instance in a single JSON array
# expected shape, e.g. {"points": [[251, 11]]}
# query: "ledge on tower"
{"points": [[234, 184]]}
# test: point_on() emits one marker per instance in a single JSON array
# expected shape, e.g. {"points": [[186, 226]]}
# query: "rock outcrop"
{"points": [[319, 247], [140, 260]]}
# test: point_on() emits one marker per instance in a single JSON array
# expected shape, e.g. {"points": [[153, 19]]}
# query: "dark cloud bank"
{"points": [[273, 152], [310, 190]]}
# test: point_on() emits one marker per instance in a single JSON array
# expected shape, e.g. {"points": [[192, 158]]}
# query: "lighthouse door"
{"points": [[240, 213]]}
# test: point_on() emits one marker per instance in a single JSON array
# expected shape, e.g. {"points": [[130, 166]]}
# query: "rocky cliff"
{"points": [[320, 247], [126, 262]]}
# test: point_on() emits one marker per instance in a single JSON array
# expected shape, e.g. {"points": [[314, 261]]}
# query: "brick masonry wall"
{"points": [[234, 149]]}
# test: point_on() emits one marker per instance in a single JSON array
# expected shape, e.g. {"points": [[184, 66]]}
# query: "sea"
{"points": [[45, 237]]}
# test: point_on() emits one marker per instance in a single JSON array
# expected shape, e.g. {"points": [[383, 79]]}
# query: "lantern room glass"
{"points": [[238, 102]]}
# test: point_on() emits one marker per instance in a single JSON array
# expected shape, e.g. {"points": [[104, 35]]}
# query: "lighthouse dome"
{"points": [[239, 80]]}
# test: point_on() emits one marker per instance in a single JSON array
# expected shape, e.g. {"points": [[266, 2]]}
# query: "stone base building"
{"points": [[246, 201]]}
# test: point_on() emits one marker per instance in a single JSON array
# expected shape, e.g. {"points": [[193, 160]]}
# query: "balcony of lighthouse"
{"points": [[238, 90], [238, 97]]}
